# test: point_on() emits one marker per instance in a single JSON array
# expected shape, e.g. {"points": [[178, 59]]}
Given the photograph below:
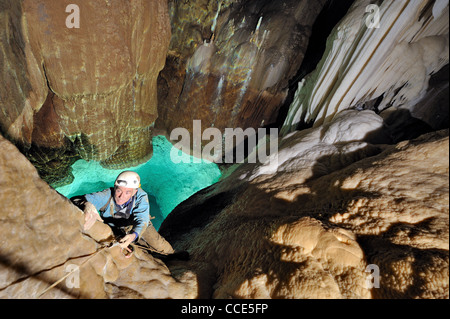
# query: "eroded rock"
{"points": [[42, 241]]}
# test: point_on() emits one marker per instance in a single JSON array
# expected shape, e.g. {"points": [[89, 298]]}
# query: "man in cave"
{"points": [[125, 208]]}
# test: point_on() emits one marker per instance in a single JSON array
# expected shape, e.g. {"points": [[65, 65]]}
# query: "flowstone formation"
{"points": [[379, 58], [87, 92], [340, 217]]}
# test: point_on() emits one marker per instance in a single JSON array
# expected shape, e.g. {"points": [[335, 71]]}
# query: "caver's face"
{"points": [[123, 194]]}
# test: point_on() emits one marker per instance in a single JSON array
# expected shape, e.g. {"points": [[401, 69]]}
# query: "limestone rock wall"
{"points": [[87, 92], [230, 61], [41, 241], [333, 210]]}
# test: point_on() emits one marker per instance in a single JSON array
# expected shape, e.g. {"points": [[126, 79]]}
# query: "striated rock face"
{"points": [[230, 61], [377, 57], [87, 92], [41, 241], [335, 211]]}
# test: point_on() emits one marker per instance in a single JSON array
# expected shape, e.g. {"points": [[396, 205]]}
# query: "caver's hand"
{"points": [[90, 216], [127, 240]]}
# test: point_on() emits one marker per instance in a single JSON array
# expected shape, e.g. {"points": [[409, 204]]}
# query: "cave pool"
{"points": [[166, 183]]}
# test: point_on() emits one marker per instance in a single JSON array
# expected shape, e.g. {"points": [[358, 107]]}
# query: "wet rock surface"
{"points": [[229, 62]]}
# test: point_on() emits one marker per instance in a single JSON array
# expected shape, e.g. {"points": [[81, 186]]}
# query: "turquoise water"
{"points": [[166, 183]]}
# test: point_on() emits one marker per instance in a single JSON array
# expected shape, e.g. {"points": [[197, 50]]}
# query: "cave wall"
{"points": [[94, 93], [97, 92], [230, 62], [87, 92]]}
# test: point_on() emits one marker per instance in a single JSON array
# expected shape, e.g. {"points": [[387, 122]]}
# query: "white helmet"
{"points": [[128, 179]]}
